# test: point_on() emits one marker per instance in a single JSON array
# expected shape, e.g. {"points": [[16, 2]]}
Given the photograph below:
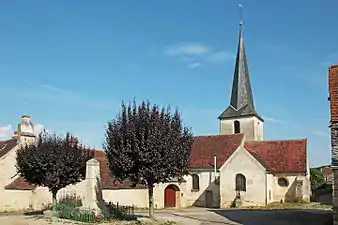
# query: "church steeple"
{"points": [[241, 103], [241, 88], [240, 116]]}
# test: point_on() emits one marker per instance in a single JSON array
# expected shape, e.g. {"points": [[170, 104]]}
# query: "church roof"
{"points": [[205, 147], [241, 103], [282, 156], [6, 146]]}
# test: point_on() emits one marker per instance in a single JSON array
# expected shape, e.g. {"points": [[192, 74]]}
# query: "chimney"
{"points": [[26, 131], [15, 135], [333, 92]]}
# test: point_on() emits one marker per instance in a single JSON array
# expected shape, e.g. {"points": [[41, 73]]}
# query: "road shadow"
{"points": [[277, 216]]}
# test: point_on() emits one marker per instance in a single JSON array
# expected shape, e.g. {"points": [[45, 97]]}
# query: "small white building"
{"points": [[249, 170]]}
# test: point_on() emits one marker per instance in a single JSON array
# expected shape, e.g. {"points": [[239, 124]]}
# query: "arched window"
{"points": [[240, 182], [283, 182], [195, 182], [237, 127]]}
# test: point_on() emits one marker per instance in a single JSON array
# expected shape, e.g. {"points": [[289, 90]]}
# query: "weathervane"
{"points": [[240, 6]]}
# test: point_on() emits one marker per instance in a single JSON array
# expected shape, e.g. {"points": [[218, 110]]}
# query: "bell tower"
{"points": [[240, 116]]}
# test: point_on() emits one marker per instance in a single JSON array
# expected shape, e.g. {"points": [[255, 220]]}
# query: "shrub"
{"points": [[68, 209]]}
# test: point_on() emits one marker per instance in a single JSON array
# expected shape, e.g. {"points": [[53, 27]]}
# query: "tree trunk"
{"points": [[151, 200], [54, 202]]}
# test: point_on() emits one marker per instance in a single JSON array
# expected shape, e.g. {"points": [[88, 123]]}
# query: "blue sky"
{"points": [[69, 64]]}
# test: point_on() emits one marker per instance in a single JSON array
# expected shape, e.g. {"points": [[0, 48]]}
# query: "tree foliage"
{"points": [[53, 162], [317, 178], [147, 145]]}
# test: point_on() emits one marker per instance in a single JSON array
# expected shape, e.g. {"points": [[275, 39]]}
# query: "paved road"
{"points": [[201, 216]]}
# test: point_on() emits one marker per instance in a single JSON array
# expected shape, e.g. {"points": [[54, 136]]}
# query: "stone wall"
{"points": [[333, 97], [252, 127]]}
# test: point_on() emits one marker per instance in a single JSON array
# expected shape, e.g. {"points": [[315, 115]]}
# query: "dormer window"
{"points": [[237, 127]]}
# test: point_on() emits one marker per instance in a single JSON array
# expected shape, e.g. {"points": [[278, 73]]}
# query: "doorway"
{"points": [[209, 199], [171, 195]]}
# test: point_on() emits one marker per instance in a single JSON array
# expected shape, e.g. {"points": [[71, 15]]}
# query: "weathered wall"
{"points": [[270, 188], [207, 184], [333, 96], [243, 162], [252, 127], [136, 197], [285, 194], [288, 193], [7, 173]]}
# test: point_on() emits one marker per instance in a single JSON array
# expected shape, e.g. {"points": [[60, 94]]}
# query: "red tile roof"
{"points": [[6, 146], [106, 181], [205, 147], [286, 156], [20, 184], [327, 171]]}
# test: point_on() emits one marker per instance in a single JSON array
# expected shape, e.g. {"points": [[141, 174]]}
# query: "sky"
{"points": [[69, 64]]}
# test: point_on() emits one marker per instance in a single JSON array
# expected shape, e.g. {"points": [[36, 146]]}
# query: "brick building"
{"points": [[333, 98]]}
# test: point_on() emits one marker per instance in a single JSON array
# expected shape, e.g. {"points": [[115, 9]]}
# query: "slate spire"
{"points": [[241, 88], [241, 103]]}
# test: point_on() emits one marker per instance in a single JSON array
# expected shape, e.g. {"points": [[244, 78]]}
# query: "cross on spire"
{"points": [[240, 6]]}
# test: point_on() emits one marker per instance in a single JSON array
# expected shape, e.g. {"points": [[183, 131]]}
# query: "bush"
{"points": [[120, 212], [68, 208], [71, 199]]}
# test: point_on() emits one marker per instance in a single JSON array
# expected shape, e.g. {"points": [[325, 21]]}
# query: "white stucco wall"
{"points": [[288, 194], [251, 127], [270, 184], [242, 162], [136, 197], [7, 173]]}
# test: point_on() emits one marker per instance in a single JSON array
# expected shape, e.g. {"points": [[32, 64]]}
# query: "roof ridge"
{"points": [[219, 135], [285, 140], [4, 141]]}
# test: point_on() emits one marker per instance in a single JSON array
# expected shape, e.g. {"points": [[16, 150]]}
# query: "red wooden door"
{"points": [[169, 197]]}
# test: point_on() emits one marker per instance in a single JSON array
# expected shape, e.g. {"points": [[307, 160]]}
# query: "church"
{"points": [[236, 167]]}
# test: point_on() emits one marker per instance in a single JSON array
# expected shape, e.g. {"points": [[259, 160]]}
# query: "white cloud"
{"points": [[270, 119], [195, 54], [320, 134], [6, 131], [194, 65], [221, 57], [53, 88], [187, 49]]}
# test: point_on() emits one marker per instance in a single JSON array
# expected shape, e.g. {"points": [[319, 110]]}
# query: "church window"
{"points": [[195, 182], [237, 127], [240, 182], [283, 182]]}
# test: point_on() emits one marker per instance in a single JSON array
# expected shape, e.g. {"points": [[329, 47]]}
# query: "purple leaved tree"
{"points": [[147, 145]]}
